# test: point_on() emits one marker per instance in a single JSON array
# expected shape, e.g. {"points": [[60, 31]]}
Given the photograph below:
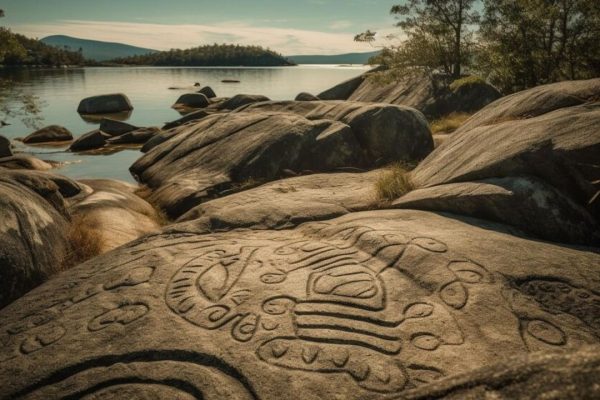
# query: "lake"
{"points": [[60, 90]]}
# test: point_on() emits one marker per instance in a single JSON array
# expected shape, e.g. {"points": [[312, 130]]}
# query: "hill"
{"points": [[95, 49], [19, 50], [350, 58], [210, 56]]}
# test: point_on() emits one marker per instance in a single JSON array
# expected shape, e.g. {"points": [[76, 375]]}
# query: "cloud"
{"points": [[164, 37], [340, 25]]}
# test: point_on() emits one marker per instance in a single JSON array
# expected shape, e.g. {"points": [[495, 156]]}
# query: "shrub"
{"points": [[393, 182], [449, 123]]}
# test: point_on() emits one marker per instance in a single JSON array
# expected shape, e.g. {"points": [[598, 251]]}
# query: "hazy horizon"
{"points": [[302, 27]]}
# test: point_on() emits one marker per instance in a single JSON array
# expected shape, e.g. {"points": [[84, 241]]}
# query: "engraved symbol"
{"points": [[48, 335], [122, 315]]}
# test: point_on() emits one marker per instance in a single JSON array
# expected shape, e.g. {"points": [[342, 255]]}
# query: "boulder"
{"points": [[306, 97], [193, 116], [112, 214], [535, 102], [90, 141], [192, 100], [105, 104], [33, 242], [208, 92], [285, 203], [366, 306], [240, 100], [523, 202], [24, 161], [138, 136], [5, 147], [343, 91], [115, 127], [219, 152], [387, 132], [52, 133]]}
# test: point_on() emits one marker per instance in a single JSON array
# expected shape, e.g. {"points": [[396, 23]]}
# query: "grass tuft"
{"points": [[85, 241], [449, 123], [393, 182]]}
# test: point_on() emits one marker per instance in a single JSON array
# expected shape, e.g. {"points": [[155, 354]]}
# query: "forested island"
{"points": [[210, 56]]}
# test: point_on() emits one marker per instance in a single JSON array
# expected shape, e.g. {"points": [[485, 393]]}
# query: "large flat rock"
{"points": [[285, 203], [367, 304]]}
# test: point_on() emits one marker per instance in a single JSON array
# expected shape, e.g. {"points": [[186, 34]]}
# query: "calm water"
{"points": [[60, 91]]}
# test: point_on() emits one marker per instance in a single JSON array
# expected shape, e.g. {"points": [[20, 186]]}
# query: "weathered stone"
{"points": [[240, 100], [105, 104], [52, 133], [203, 159], [113, 214], [193, 116], [560, 148], [285, 203], [306, 97], [541, 376], [525, 203], [138, 136], [387, 132], [192, 100], [89, 141], [24, 161], [366, 305], [5, 147], [535, 102], [115, 127], [208, 92], [33, 240]]}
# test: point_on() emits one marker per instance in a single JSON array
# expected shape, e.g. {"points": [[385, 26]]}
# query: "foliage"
{"points": [[466, 82], [210, 55], [532, 42], [393, 182], [449, 123], [18, 50], [438, 36]]}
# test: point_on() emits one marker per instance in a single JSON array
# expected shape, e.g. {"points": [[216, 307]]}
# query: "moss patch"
{"points": [[466, 81]]}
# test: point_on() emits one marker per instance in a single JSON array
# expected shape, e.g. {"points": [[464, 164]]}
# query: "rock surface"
{"points": [[387, 132], [105, 104], [201, 160], [52, 133], [240, 100], [5, 147], [285, 203], [138, 136], [33, 241], [24, 161], [113, 214], [89, 141], [368, 304]]}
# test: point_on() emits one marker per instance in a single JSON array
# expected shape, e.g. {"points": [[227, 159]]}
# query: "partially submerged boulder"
{"points": [[90, 141], [138, 136], [51, 133], [192, 100], [105, 104], [115, 127], [368, 305], [306, 97], [208, 92]]}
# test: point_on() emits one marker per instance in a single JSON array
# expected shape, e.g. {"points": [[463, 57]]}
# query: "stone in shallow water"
{"points": [[364, 305]]}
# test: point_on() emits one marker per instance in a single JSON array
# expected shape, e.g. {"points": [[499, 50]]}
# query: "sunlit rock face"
{"points": [[366, 305]]}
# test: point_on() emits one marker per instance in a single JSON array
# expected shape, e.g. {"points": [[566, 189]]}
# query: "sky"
{"points": [[290, 27]]}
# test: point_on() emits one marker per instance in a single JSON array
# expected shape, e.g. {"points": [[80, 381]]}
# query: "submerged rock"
{"points": [[105, 104], [369, 304], [52, 133]]}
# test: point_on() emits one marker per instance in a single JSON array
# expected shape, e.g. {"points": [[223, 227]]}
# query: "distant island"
{"points": [[349, 58], [95, 49], [210, 56]]}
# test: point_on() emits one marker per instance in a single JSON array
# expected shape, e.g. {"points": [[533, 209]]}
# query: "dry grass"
{"points": [[449, 123], [393, 182], [85, 241]]}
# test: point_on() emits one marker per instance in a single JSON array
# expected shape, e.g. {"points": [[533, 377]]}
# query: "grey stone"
{"points": [[52, 133], [368, 306], [105, 104], [192, 100], [90, 141], [208, 92], [115, 127]]}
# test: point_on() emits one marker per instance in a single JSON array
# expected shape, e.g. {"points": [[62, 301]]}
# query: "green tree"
{"points": [[531, 42], [438, 35]]}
